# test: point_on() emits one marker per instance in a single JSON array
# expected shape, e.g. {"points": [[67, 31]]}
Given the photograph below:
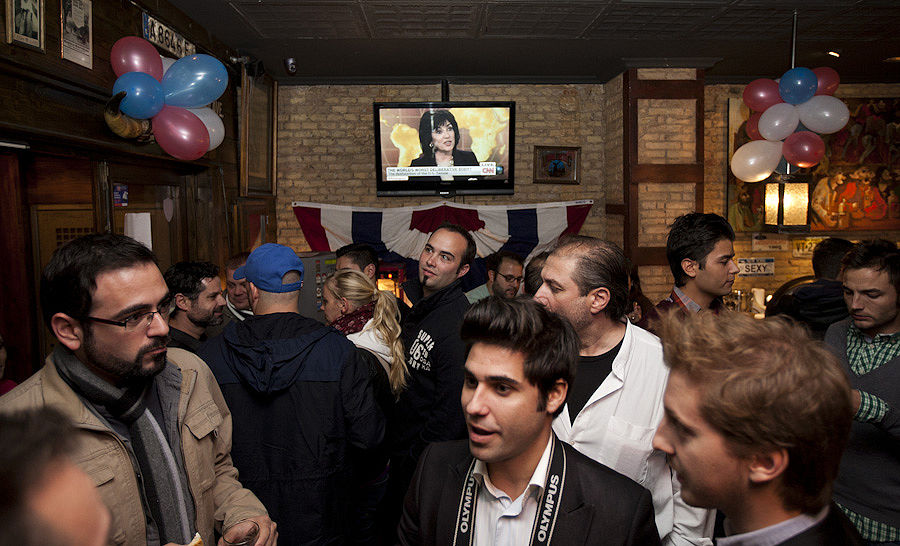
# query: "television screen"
{"points": [[444, 148]]}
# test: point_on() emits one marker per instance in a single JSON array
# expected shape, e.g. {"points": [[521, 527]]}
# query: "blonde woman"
{"points": [[369, 318]]}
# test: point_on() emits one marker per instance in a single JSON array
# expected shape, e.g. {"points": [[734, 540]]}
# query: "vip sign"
{"points": [[756, 267]]}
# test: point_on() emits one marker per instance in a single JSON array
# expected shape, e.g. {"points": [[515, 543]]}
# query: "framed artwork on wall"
{"points": [[856, 186], [258, 98], [25, 23], [77, 42], [557, 165]]}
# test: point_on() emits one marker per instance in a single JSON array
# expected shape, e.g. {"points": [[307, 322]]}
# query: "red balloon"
{"points": [[133, 54], [180, 133], [752, 126], [828, 80], [761, 94], [803, 149]]}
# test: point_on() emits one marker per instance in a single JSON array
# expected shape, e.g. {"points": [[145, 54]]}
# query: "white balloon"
{"points": [[755, 160], [167, 62], [778, 121], [824, 114], [213, 124]]}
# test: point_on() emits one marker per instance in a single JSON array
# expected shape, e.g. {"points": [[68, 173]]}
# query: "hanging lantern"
{"points": [[787, 203]]}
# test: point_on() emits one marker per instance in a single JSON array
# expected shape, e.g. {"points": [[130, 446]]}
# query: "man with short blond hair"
{"points": [[756, 418]]}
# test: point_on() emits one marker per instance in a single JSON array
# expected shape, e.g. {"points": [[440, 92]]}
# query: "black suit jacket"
{"points": [[834, 530], [598, 505], [461, 158]]}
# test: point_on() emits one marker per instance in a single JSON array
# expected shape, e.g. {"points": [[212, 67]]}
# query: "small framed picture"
{"points": [[25, 23], [77, 32], [557, 165]]}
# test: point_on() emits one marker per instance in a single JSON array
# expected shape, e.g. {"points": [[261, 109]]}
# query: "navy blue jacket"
{"points": [[299, 396]]}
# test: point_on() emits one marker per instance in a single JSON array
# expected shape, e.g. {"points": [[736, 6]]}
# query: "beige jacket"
{"points": [[205, 425]]}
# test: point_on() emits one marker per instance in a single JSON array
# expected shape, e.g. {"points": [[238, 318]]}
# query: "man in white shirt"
{"points": [[616, 401], [513, 481], [756, 418]]}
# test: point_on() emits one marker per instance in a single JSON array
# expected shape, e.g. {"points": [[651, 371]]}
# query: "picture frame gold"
{"points": [[557, 165]]}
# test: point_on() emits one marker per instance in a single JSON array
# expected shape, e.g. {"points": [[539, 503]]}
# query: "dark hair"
{"points": [[766, 385], [237, 260], [361, 254], [32, 441], [533, 279], [187, 278], [469, 254], [877, 254], [693, 236], [435, 119], [547, 340], [826, 258], [493, 261], [70, 278], [599, 264]]}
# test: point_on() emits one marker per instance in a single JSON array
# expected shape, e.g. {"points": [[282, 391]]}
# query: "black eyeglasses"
{"points": [[136, 321], [512, 278]]}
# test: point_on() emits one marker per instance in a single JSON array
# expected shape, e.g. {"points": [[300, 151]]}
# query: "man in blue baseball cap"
{"points": [[300, 398]]}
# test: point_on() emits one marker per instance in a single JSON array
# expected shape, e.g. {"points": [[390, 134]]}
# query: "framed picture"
{"points": [[77, 43], [257, 131], [557, 165], [855, 187], [25, 23], [254, 224]]}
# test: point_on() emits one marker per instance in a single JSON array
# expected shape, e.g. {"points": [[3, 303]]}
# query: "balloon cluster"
{"points": [[173, 94], [786, 117]]}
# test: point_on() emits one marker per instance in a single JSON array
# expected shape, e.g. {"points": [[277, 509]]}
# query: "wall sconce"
{"points": [[787, 203]]}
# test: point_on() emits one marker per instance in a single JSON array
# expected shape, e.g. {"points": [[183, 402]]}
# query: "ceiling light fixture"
{"points": [[835, 53]]}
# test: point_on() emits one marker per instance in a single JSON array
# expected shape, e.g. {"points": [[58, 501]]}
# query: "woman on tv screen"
{"points": [[439, 136]]}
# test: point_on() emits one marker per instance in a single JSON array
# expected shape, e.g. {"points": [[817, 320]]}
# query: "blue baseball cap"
{"points": [[267, 265]]}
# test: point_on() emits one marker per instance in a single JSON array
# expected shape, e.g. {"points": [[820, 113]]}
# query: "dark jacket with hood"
{"points": [[818, 305], [300, 397]]}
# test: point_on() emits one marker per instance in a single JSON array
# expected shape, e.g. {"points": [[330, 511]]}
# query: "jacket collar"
{"points": [[413, 289]]}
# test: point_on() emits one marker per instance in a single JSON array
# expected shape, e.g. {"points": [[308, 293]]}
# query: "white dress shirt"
{"points": [[501, 520]]}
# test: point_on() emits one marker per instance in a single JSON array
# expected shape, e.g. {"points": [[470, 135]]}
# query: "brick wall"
{"points": [[325, 147], [613, 150]]}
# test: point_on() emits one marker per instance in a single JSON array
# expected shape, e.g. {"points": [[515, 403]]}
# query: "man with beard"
{"points": [[615, 401], [868, 345], [428, 410], [197, 303], [153, 431], [504, 276]]}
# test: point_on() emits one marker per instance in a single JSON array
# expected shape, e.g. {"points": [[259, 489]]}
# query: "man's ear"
{"points": [[182, 303], [462, 270], [491, 276], [67, 330], [768, 466], [690, 267], [369, 271], [599, 298], [253, 291], [556, 396]]}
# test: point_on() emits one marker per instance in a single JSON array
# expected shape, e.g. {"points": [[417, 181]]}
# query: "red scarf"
{"points": [[355, 321]]}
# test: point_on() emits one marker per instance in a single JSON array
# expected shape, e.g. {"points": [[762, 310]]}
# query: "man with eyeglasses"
{"points": [[154, 432], [504, 276]]}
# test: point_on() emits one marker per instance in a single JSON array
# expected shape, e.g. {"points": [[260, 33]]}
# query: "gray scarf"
{"points": [[164, 491]]}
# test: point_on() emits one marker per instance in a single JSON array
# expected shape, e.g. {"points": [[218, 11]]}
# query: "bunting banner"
{"points": [[524, 229]]}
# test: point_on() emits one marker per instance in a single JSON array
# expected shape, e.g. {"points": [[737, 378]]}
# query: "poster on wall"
{"points": [[25, 23], [77, 32], [856, 186]]}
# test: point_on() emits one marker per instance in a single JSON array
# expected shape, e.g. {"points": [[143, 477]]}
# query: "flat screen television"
{"points": [[444, 148]]}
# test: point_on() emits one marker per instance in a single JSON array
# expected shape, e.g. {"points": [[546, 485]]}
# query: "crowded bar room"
{"points": [[488, 272]]}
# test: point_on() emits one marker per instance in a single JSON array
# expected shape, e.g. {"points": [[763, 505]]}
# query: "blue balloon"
{"points": [[143, 95], [798, 85], [194, 81]]}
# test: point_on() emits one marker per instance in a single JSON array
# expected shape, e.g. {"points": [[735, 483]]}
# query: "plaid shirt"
{"points": [[864, 355]]}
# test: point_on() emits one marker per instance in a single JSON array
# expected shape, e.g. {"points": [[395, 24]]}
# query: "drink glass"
{"points": [[243, 533]]}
